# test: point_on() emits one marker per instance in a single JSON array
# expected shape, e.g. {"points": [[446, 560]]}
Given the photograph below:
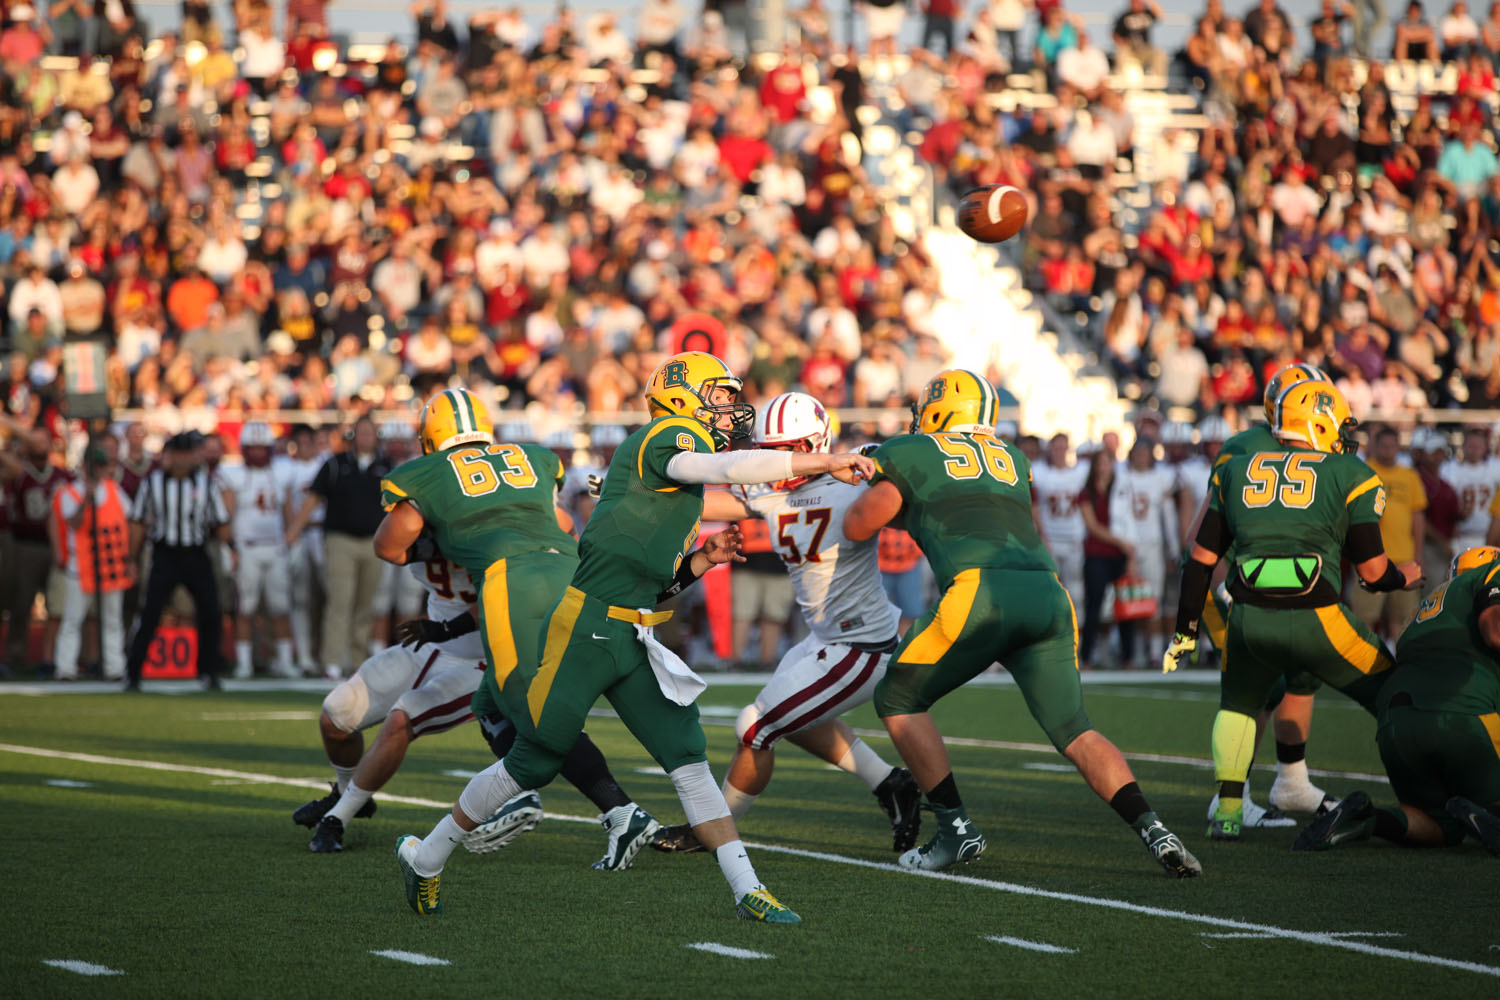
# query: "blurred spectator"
{"points": [[1132, 35], [1414, 37]]}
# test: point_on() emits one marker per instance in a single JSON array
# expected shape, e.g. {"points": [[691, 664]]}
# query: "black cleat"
{"points": [[679, 839], [328, 838], [308, 815], [1351, 820], [1479, 822], [900, 797]]}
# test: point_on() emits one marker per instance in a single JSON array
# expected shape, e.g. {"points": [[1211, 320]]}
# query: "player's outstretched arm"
{"points": [[722, 505], [875, 508], [761, 465], [398, 531]]}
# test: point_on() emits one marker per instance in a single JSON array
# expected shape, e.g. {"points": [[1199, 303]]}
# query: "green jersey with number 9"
{"points": [[966, 498], [1288, 514], [484, 503]]}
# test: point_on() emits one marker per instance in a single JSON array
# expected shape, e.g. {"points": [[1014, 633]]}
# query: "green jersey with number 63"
{"points": [[484, 503], [1288, 513], [1442, 662], [645, 521], [967, 501]]}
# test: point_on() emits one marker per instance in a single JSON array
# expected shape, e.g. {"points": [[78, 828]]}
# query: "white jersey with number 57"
{"points": [[837, 581], [449, 594]]}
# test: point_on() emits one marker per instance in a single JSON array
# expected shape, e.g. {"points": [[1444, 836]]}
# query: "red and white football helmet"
{"points": [[256, 441], [794, 421]]}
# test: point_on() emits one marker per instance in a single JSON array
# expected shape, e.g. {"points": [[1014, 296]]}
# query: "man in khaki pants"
{"points": [[1403, 529], [348, 486]]}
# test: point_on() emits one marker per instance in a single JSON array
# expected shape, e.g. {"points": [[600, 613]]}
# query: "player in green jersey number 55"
{"points": [[965, 496], [1290, 515]]}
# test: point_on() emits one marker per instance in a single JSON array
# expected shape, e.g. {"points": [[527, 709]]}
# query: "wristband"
{"points": [[1391, 579]]}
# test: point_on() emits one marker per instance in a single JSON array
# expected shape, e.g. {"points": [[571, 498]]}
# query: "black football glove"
{"points": [[417, 632]]}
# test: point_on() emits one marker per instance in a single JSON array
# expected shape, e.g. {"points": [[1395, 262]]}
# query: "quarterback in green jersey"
{"points": [[1292, 698], [965, 497], [597, 639], [1290, 515], [1439, 729]]}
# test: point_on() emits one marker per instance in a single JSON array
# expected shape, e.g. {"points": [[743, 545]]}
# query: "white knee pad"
{"points": [[701, 799], [347, 704], [749, 716], [487, 791]]}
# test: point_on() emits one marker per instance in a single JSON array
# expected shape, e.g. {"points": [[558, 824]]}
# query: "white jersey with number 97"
{"points": [[837, 581], [1476, 484], [449, 594]]}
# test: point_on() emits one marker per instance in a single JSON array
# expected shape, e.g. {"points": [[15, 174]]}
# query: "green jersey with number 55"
{"points": [[484, 503], [967, 501], [1288, 513]]}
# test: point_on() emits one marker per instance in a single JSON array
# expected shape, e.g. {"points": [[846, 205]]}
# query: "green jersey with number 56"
{"points": [[967, 501], [484, 503], [1288, 513]]}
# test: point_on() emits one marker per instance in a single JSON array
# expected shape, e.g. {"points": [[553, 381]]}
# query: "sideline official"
{"points": [[178, 507]]}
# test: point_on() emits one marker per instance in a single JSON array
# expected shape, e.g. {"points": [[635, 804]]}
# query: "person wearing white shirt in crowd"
{"points": [[1457, 32], [604, 42], [832, 316], [39, 292], [545, 256], [1055, 484], [1084, 68], [257, 491], [660, 21], [76, 184], [495, 252], [223, 254], [1092, 143], [1143, 511], [1475, 476]]}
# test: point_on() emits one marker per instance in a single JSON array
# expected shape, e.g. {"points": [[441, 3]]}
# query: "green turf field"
{"points": [[178, 866]]}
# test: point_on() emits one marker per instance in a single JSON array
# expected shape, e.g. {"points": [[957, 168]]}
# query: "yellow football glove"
{"points": [[1181, 646]]}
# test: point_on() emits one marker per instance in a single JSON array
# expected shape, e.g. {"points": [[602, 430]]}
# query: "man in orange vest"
{"points": [[96, 543]]}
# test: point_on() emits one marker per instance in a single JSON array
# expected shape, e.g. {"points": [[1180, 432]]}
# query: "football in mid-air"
{"points": [[993, 213]]}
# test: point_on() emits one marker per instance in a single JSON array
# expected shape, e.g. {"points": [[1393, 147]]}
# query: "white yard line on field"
{"points": [[82, 968], [409, 957], [1015, 942], [1307, 937], [714, 948]]}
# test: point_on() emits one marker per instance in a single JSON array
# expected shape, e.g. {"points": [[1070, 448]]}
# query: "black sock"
{"points": [[1231, 789], [1130, 803], [946, 794], [1290, 753], [1390, 824], [585, 768]]}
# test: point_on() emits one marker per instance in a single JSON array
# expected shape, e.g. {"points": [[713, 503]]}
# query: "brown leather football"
{"points": [[993, 213]]}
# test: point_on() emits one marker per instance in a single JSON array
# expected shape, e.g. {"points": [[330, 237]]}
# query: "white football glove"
{"points": [[1181, 646]]}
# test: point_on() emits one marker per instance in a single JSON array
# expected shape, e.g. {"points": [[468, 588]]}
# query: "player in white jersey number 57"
{"points": [[853, 629]]}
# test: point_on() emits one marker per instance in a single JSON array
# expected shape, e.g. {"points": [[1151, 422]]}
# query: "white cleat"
{"points": [[515, 817], [1301, 797], [1257, 816]]}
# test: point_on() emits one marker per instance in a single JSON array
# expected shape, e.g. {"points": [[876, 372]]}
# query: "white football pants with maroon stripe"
{"points": [[814, 683]]}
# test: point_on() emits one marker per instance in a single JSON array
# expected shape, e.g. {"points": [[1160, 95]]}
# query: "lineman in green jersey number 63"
{"points": [[599, 640], [965, 497], [1292, 699], [1290, 515], [490, 508], [1439, 723]]}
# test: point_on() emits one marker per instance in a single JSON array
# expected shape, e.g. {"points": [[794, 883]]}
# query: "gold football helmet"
{"points": [[1473, 558], [684, 387], [1317, 415], [955, 400], [454, 417], [1287, 377]]}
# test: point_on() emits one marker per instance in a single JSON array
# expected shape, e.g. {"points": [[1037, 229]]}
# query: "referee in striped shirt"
{"points": [[178, 507]]}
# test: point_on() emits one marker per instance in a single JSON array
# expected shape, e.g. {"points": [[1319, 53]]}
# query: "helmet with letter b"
{"points": [[454, 417], [685, 386], [955, 400], [1317, 415]]}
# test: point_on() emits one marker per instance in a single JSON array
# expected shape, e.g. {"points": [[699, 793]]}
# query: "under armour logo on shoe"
{"points": [[961, 825]]}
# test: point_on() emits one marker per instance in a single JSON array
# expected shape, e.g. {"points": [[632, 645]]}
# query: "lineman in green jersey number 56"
{"points": [[965, 497], [1290, 514], [598, 639], [1439, 728]]}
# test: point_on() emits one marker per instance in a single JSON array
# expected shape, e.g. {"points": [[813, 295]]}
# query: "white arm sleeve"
{"points": [[759, 465]]}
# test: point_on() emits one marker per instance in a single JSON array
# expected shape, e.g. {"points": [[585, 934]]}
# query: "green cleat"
{"points": [[957, 840], [759, 904], [1352, 819], [422, 891], [1168, 850], [1478, 822], [1226, 825], [630, 828]]}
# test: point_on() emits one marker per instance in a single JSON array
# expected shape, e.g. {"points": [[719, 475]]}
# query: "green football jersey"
{"points": [[1247, 442], [1288, 513], [645, 522], [1442, 662], [484, 503], [967, 501]]}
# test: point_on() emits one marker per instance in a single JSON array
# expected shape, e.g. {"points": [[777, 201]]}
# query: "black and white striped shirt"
{"points": [[179, 511]]}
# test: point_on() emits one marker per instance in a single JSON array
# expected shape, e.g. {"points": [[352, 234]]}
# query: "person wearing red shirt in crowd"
{"points": [[1234, 379], [742, 153], [782, 90], [824, 374], [940, 144], [1429, 451], [1192, 265]]}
